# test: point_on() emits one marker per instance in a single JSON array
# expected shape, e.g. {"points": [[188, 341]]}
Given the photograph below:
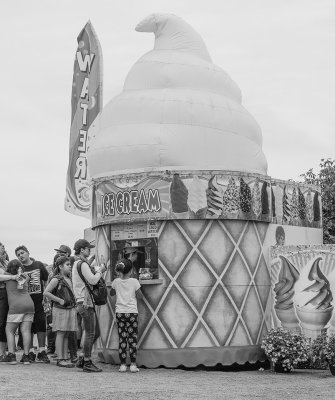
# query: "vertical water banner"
{"points": [[86, 103]]}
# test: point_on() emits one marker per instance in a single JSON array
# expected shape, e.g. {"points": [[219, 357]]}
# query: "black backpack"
{"points": [[98, 292]]}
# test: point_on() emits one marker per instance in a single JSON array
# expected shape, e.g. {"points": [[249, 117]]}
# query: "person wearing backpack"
{"points": [[64, 316], [82, 276]]}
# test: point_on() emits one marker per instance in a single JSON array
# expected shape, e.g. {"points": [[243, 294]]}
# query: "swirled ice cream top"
{"points": [[284, 288], [312, 291], [177, 110]]}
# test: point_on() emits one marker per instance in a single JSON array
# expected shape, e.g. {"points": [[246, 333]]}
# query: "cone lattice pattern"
{"points": [[215, 288]]}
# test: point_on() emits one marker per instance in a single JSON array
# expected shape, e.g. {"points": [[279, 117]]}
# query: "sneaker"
{"points": [[90, 367], [64, 364], [80, 362], [133, 368], [10, 359], [2, 358], [32, 357], [42, 357], [74, 359], [25, 359], [123, 368]]}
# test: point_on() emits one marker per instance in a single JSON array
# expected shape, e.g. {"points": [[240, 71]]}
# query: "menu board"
{"points": [[134, 230]]}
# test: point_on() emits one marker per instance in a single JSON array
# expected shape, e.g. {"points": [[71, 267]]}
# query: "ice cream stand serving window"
{"points": [[126, 239]]}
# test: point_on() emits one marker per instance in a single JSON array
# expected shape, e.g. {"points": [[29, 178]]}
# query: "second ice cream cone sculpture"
{"points": [[313, 299], [284, 290], [331, 278]]}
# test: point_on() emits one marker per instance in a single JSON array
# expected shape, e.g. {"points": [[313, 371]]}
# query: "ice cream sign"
{"points": [[130, 202], [181, 195]]}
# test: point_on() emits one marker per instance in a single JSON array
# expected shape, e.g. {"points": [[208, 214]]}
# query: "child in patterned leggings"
{"points": [[127, 291]]}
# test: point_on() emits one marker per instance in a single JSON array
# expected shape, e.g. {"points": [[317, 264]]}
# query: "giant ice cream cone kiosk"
{"points": [[178, 172]]}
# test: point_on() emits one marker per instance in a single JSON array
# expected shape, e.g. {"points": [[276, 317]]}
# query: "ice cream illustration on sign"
{"points": [[284, 290], [313, 299], [197, 199], [179, 196]]}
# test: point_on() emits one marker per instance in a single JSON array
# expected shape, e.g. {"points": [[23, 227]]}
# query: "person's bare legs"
{"points": [[26, 335], [10, 333], [60, 345]]}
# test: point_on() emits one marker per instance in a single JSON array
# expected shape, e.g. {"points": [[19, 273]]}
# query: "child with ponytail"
{"points": [[127, 291], [64, 317]]}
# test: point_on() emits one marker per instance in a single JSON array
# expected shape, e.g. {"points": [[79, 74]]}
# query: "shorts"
{"points": [[40, 321], [18, 318]]}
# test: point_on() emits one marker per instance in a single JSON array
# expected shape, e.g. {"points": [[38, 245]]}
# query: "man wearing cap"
{"points": [[63, 250], [85, 306]]}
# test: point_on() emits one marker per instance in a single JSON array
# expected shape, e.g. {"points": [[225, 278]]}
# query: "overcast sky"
{"points": [[279, 52]]}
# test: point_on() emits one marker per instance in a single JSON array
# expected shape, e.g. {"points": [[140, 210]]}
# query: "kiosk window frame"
{"points": [[148, 258]]}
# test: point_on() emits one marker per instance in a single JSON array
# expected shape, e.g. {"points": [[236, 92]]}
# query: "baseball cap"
{"points": [[82, 243], [64, 249], [130, 250]]}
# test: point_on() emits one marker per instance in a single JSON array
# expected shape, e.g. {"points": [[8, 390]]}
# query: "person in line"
{"points": [[64, 319], [38, 275], [63, 250], [79, 335], [20, 313], [3, 301], [85, 306], [127, 291]]}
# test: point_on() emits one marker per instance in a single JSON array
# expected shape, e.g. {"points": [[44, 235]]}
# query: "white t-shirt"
{"points": [[125, 295]]}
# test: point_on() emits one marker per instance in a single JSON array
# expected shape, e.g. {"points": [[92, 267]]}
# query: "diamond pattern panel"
{"points": [[145, 316], [262, 281], [240, 336], [105, 322], [197, 281], [175, 249], [216, 247], [261, 228], [252, 314], [154, 293], [200, 338], [156, 338], [220, 315], [177, 316], [250, 247], [235, 228], [237, 273], [206, 299], [195, 229]]}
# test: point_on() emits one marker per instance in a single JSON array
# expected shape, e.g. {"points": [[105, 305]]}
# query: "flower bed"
{"points": [[285, 349]]}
